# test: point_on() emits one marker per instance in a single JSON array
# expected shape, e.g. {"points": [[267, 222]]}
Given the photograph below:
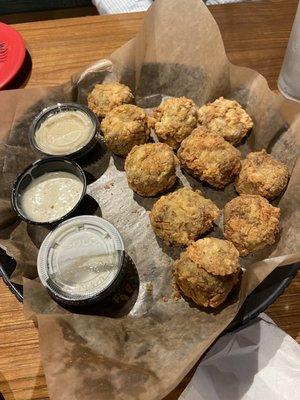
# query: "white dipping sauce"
{"points": [[64, 133], [50, 196]]}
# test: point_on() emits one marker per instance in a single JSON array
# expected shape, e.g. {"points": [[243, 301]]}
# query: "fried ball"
{"points": [[262, 174], [208, 157], [207, 271], [226, 118], [124, 127], [105, 96], [174, 120], [250, 223], [151, 168], [182, 216]]}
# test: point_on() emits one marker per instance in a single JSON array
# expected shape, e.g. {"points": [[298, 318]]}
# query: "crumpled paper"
{"points": [[142, 342], [259, 361]]}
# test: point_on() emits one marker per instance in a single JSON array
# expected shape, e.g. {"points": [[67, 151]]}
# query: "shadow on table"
{"points": [[22, 75], [5, 389], [39, 391]]}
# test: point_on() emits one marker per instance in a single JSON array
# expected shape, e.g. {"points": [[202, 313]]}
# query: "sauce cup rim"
{"points": [[64, 107], [36, 164]]}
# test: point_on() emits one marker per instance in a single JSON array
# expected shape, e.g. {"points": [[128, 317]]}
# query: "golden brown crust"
{"points": [[151, 168], [182, 216], [250, 223], [124, 127], [208, 157], [225, 118], [105, 96], [174, 120], [262, 174], [207, 271]]}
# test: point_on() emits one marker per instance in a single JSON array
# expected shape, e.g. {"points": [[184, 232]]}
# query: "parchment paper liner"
{"points": [[141, 347]]}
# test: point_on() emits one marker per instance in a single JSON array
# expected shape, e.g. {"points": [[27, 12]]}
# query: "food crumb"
{"points": [[149, 287], [108, 185], [176, 296], [176, 293]]}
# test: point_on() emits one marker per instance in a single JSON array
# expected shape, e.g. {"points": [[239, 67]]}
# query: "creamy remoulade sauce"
{"points": [[51, 196], [64, 133]]}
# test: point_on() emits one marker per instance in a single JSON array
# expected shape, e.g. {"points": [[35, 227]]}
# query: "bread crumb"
{"points": [[149, 287]]}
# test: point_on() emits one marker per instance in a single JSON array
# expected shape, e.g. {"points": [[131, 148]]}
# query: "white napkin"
{"points": [[214, 2], [121, 6], [258, 362]]}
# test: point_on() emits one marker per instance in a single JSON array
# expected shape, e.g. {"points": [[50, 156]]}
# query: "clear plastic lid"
{"points": [[81, 258]]}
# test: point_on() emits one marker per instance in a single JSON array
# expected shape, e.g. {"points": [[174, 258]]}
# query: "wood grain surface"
{"points": [[255, 35]]}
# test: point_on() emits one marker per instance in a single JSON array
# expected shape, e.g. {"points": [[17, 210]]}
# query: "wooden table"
{"points": [[255, 35]]}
